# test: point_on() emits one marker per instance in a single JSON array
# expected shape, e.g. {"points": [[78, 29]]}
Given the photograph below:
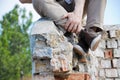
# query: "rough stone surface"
{"points": [[118, 41], [75, 76], [44, 76], [117, 52], [48, 44], [111, 72], [105, 64], [118, 33], [99, 52], [41, 66], [112, 33], [116, 63], [109, 79], [101, 73], [102, 44], [54, 59], [111, 43], [118, 72]]}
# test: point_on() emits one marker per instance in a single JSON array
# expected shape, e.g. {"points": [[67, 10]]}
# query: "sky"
{"points": [[111, 17]]}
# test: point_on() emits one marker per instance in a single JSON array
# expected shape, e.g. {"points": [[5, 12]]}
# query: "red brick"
{"points": [[75, 76], [87, 77], [108, 53], [59, 78]]}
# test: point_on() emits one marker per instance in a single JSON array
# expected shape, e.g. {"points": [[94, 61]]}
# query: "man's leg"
{"points": [[94, 26], [91, 36], [54, 10], [49, 8], [95, 13]]}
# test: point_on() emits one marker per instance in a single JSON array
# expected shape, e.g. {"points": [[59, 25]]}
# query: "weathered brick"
{"points": [[87, 77], [118, 41], [111, 27], [60, 63], [116, 63], [101, 73], [99, 52], [44, 53], [79, 76], [39, 66], [118, 72], [60, 78], [105, 63], [74, 76], [100, 78], [102, 44], [111, 43], [117, 78], [111, 73], [109, 79], [116, 52], [58, 45], [112, 33], [44, 76], [118, 33], [108, 53]]}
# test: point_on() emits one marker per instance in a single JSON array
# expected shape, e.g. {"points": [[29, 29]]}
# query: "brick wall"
{"points": [[108, 54], [53, 59]]}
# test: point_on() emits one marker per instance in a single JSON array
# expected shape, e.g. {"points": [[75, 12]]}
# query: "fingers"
{"points": [[74, 28], [70, 28], [73, 23], [67, 25], [78, 29]]}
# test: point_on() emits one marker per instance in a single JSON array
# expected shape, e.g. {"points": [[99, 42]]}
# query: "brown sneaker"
{"points": [[84, 58], [81, 48], [91, 38]]}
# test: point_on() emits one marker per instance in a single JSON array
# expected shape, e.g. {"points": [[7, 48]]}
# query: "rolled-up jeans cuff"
{"points": [[100, 27]]}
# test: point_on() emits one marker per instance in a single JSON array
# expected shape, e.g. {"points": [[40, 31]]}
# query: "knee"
{"points": [[41, 3]]}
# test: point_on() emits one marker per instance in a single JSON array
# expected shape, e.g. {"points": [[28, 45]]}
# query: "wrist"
{"points": [[78, 14]]}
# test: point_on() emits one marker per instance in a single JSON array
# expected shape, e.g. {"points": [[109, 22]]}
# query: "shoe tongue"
{"points": [[91, 30]]}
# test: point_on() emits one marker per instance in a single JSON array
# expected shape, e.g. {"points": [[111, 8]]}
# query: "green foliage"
{"points": [[14, 44]]}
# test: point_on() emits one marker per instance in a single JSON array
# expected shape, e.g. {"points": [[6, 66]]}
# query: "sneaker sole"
{"points": [[95, 43], [79, 50]]}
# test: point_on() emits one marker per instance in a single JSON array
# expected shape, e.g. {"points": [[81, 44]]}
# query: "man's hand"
{"points": [[74, 22]]}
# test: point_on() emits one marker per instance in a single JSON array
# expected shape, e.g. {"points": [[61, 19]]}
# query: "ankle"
{"points": [[96, 29]]}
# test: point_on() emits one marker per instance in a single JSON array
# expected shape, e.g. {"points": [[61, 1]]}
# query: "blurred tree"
{"points": [[14, 44]]}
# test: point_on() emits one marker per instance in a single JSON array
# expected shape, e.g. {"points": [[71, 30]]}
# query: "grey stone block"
{"points": [[102, 44], [43, 53], [112, 33], [41, 66], [112, 43], [106, 64], [111, 73], [116, 63], [118, 41], [116, 52]]}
